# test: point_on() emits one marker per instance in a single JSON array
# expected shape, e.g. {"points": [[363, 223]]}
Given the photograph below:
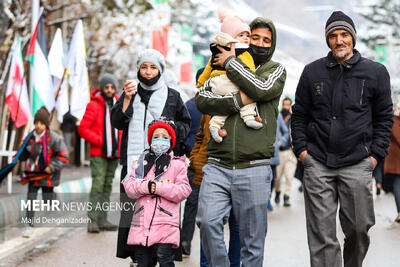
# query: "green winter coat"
{"points": [[244, 147]]}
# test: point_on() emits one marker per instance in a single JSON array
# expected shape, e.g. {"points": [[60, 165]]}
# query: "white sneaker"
{"points": [[28, 232]]}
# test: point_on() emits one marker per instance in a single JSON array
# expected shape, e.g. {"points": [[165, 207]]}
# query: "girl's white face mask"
{"points": [[160, 145]]}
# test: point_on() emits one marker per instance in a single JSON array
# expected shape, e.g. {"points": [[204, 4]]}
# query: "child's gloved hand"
{"points": [[152, 187]]}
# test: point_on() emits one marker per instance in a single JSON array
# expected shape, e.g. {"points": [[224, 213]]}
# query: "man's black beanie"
{"points": [[339, 20]]}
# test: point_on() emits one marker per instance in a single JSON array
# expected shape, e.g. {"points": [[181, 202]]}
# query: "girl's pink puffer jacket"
{"points": [[156, 218]]}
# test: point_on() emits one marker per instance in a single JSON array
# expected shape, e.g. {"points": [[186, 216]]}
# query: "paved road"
{"points": [[286, 243]]}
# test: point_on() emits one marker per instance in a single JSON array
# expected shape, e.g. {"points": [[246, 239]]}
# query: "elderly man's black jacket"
{"points": [[343, 112]]}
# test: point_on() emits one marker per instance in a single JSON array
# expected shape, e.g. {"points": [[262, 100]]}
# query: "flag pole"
{"points": [[35, 16], [59, 85], [57, 91]]}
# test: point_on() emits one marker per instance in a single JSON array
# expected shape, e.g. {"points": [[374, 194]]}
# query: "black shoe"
{"points": [[286, 201], [185, 247], [105, 225], [378, 191], [93, 227], [277, 197], [301, 188]]}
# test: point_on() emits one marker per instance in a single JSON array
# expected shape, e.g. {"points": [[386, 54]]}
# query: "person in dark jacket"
{"points": [[135, 109], [96, 129], [190, 210], [45, 156], [68, 128], [237, 175], [195, 115], [341, 123]]}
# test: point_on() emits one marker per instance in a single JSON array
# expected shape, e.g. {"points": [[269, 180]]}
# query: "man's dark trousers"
{"points": [[324, 189]]}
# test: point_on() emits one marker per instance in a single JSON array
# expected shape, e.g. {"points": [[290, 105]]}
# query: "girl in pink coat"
{"points": [[159, 183]]}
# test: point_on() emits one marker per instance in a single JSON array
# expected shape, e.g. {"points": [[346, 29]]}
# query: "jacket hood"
{"points": [[153, 56], [273, 31], [96, 95]]}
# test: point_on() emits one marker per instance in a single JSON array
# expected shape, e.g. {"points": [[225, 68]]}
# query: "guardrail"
{"points": [[9, 155]]}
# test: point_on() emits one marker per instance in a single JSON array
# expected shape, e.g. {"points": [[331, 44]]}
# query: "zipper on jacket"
{"points": [[164, 210], [334, 96], [322, 88], [362, 92], [151, 222]]}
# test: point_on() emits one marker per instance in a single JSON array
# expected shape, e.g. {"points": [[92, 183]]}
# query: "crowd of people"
{"points": [[226, 149]]}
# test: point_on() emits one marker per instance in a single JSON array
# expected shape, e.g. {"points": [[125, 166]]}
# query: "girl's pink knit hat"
{"points": [[232, 25]]}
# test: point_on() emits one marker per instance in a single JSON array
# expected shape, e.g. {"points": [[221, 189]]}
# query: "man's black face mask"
{"points": [[260, 54], [285, 112]]}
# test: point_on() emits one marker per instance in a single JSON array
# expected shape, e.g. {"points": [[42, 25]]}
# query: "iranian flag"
{"points": [[186, 54], [161, 26], [17, 93], [41, 83]]}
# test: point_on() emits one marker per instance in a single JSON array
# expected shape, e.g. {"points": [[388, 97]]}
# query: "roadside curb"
{"points": [[17, 246]]}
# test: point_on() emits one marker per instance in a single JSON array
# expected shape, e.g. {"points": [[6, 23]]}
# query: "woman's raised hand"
{"points": [[130, 89]]}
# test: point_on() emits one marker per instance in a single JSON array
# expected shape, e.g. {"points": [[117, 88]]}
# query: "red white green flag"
{"points": [[41, 83], [161, 25], [17, 93]]}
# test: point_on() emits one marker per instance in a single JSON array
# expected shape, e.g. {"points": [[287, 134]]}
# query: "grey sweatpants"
{"points": [[324, 189], [246, 191]]}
